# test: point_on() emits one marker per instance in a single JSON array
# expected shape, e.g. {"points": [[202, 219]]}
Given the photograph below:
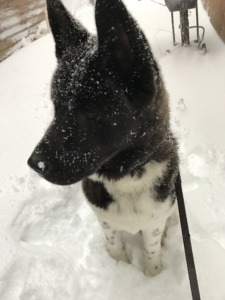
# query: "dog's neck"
{"points": [[131, 161]]}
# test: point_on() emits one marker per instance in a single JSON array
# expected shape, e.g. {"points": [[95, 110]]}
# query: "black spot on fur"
{"points": [[156, 232], [96, 193], [138, 172], [165, 187], [106, 225]]}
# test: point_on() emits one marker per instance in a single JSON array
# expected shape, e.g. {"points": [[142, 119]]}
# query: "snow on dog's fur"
{"points": [[111, 127]]}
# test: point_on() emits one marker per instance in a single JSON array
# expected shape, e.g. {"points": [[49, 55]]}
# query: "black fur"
{"points": [[59, 20], [96, 193], [111, 110], [166, 185]]}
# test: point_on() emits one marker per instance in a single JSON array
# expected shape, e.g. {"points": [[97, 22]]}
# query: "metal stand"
{"points": [[184, 28], [183, 6], [172, 19], [197, 23]]}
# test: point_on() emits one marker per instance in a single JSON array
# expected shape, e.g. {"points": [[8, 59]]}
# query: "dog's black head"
{"points": [[103, 92]]}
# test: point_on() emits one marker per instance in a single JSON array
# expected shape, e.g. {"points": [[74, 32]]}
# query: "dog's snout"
{"points": [[38, 163]]}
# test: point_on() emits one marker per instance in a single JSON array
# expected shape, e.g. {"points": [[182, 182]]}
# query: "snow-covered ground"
{"points": [[51, 243]]}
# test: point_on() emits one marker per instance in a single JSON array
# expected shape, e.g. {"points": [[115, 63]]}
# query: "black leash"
{"points": [[187, 241]]}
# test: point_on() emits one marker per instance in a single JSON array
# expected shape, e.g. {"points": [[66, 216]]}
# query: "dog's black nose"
{"points": [[38, 164]]}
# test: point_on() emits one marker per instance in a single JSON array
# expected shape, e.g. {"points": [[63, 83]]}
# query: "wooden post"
{"points": [[184, 24]]}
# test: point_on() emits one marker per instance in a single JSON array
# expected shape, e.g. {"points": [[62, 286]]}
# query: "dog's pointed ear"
{"points": [[110, 17], [66, 31], [124, 44]]}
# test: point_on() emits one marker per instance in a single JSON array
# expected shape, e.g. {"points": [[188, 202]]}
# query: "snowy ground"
{"points": [[51, 244]]}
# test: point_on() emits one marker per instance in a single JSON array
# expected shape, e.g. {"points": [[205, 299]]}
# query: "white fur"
{"points": [[135, 208]]}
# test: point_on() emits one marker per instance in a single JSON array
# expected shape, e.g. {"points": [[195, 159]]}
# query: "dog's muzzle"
{"points": [[38, 164]]}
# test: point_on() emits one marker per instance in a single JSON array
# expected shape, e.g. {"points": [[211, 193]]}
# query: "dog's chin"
{"points": [[61, 180]]}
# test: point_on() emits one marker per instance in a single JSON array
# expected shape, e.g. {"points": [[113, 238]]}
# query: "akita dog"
{"points": [[111, 127]]}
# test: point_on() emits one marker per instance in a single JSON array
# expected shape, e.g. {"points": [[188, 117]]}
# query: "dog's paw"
{"points": [[118, 254], [153, 269], [122, 257]]}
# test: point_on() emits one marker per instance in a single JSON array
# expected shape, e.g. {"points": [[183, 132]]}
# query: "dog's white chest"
{"points": [[135, 206]]}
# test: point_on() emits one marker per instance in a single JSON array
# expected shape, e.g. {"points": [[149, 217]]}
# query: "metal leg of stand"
{"points": [[197, 22], [174, 41]]}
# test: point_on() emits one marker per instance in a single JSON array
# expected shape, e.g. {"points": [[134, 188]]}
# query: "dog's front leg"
{"points": [[114, 243], [152, 244]]}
